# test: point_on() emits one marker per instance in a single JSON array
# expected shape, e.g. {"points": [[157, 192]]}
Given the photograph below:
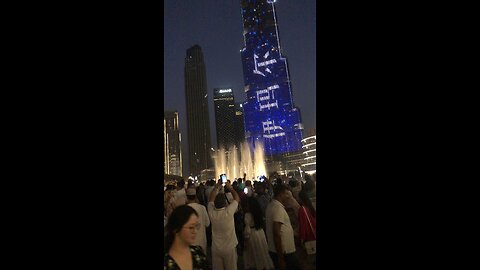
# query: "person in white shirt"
{"points": [[292, 206], [281, 243], [210, 185], [180, 196], [224, 240], [203, 219], [169, 199]]}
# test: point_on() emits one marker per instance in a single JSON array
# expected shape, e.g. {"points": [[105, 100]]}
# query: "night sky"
{"points": [[216, 25]]}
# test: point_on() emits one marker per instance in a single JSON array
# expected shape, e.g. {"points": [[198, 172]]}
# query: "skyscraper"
{"points": [[310, 152], [164, 147], [224, 104], [270, 114], [239, 125], [198, 126], [173, 144]]}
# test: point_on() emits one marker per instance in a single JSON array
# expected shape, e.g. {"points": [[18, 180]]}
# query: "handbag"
{"points": [[310, 246]]}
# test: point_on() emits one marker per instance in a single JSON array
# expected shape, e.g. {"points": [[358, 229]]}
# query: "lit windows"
{"points": [[269, 108]]}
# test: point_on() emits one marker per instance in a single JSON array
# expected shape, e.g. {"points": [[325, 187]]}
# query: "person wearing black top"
{"points": [[182, 229]]}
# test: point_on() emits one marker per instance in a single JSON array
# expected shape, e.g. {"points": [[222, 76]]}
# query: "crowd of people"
{"points": [[263, 223]]}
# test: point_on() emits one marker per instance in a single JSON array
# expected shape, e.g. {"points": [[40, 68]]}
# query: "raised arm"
{"points": [[233, 191], [214, 192], [269, 183]]}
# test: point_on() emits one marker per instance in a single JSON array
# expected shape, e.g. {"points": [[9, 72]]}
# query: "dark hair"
{"points": [[181, 184], [192, 197], [200, 194], [305, 200], [256, 210], [292, 183], [279, 189], [309, 185], [220, 201], [170, 187], [261, 185], [278, 181], [179, 217]]}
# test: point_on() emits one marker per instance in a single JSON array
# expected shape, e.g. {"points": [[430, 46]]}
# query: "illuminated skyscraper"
{"points": [[310, 152], [172, 144], [198, 125], [269, 112], [239, 124]]}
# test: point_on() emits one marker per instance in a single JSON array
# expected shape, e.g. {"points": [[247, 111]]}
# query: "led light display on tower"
{"points": [[270, 114]]}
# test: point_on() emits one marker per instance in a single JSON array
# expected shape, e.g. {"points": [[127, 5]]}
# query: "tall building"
{"points": [[224, 117], [270, 114], [172, 144], [310, 152], [198, 126], [239, 124], [164, 147]]}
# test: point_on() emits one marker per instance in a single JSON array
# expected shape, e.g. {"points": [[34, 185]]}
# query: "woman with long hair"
{"points": [[182, 229], [255, 252]]}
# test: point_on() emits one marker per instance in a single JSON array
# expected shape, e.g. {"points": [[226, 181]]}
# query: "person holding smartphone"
{"points": [[224, 239], [224, 179], [241, 184], [279, 231]]}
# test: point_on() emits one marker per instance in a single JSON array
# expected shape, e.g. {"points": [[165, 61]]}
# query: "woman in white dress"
{"points": [[255, 254]]}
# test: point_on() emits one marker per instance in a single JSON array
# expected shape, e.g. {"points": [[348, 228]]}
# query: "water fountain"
{"points": [[235, 162]]}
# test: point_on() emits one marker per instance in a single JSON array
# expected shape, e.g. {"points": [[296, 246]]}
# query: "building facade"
{"points": [[310, 153], [269, 112], [294, 161], [172, 144], [239, 125], [224, 105], [198, 125]]}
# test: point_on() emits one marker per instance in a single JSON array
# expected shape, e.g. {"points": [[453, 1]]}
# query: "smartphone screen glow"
{"points": [[224, 179]]}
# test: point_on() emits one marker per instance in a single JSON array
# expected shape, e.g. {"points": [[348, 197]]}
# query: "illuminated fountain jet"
{"points": [[235, 162]]}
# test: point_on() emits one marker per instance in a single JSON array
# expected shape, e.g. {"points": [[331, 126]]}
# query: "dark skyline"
{"points": [[173, 155], [217, 27], [198, 126], [224, 111]]}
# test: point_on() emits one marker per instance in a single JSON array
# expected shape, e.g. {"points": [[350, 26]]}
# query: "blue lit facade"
{"points": [[270, 114]]}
